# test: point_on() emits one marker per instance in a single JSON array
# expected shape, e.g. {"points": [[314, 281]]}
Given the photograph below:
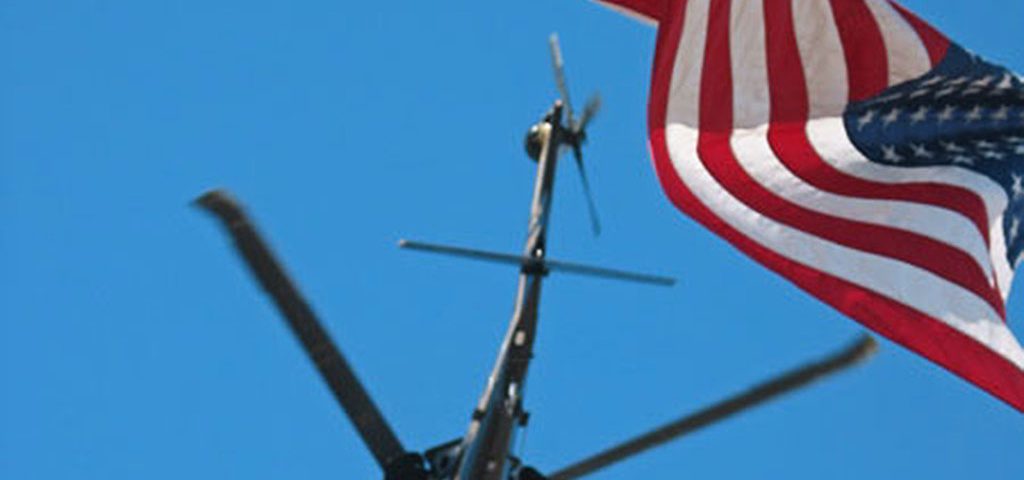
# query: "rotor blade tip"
{"points": [[867, 347], [221, 203], [215, 196]]}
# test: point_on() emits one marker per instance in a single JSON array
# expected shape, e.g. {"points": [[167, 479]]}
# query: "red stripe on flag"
{"points": [[920, 333], [935, 42], [718, 158], [789, 102], [790, 105], [862, 42], [666, 46], [652, 9]]}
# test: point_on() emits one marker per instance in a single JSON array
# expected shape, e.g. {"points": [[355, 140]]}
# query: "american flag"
{"points": [[852, 148]]}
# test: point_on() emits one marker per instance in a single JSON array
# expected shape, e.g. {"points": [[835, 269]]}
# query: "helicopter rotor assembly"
{"points": [[572, 134]]}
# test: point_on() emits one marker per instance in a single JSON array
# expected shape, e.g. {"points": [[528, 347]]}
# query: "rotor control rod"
{"points": [[854, 353], [347, 389]]}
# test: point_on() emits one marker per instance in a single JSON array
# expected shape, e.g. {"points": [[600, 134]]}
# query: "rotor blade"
{"points": [[354, 399], [595, 223], [559, 68], [580, 269], [549, 265], [589, 111], [472, 253], [852, 354]]}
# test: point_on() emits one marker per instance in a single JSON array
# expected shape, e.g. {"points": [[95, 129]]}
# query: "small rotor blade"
{"points": [[472, 253], [580, 269], [589, 111], [856, 352], [333, 367], [595, 223], [559, 69]]}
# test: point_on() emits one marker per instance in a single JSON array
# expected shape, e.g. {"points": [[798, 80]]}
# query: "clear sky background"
{"points": [[133, 343]]}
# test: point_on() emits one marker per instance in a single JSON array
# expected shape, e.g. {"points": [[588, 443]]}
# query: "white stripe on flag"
{"points": [[751, 97], [755, 155], [821, 55], [757, 158], [908, 58], [686, 74]]}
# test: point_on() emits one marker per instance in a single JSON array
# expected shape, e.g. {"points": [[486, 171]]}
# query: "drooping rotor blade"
{"points": [[354, 399], [471, 253], [595, 223], [559, 69], [580, 269], [544, 264], [852, 354]]}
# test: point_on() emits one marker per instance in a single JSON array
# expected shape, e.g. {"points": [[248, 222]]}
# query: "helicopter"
{"points": [[483, 452]]}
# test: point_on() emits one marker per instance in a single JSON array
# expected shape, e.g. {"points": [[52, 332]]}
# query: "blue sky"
{"points": [[134, 344]]}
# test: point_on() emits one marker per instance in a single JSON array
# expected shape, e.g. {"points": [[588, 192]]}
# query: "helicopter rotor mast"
{"points": [[500, 410]]}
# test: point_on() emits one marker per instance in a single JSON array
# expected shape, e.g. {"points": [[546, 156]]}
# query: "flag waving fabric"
{"points": [[853, 149]]}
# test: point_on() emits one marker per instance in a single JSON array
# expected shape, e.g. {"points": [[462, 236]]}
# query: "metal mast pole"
{"points": [[500, 410]]}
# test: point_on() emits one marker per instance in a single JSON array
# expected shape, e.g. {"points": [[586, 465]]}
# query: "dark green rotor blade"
{"points": [[761, 393], [333, 367]]}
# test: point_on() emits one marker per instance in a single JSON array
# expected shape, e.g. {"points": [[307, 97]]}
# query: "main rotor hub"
{"points": [[534, 142]]}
